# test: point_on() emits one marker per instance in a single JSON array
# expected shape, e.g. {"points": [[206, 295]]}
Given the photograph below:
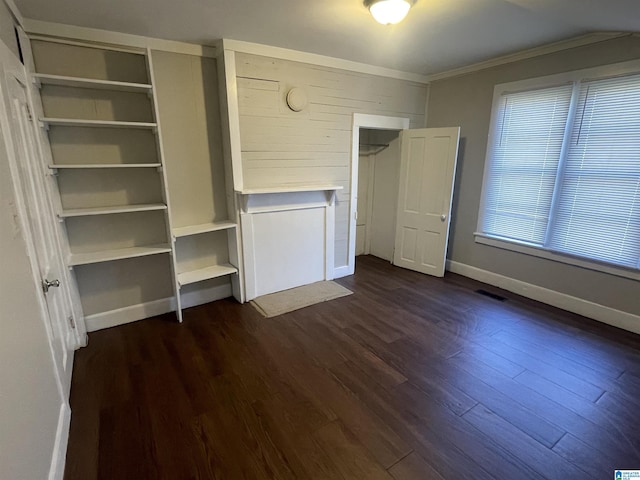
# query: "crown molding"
{"points": [[320, 60], [94, 35], [580, 41]]}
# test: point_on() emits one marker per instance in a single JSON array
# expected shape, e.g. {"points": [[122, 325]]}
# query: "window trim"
{"points": [[548, 81]]}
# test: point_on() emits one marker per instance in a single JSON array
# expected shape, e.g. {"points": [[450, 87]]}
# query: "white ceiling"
{"points": [[437, 35]]}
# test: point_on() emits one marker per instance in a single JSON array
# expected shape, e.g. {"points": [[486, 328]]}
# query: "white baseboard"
{"points": [[59, 455], [601, 313], [200, 297], [133, 313]]}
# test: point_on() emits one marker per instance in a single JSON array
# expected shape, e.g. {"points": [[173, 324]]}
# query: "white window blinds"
{"points": [[598, 212], [528, 140], [563, 170]]}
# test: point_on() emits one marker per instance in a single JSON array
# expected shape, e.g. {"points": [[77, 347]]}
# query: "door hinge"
{"points": [[29, 115], [72, 322]]}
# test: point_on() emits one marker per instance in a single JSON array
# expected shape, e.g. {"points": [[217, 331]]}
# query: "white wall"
{"points": [[29, 396], [282, 147]]}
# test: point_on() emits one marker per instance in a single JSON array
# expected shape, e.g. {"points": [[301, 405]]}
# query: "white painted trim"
{"points": [[17, 15], [59, 455], [340, 272], [601, 313], [133, 313], [165, 184], [361, 120], [233, 117], [320, 60], [94, 35], [547, 49], [329, 238], [541, 252], [248, 240], [208, 295]]}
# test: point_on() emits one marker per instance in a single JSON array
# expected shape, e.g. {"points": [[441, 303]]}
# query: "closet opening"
{"points": [[377, 194], [375, 135]]}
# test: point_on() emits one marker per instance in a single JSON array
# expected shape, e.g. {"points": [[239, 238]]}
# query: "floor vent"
{"points": [[491, 295]]}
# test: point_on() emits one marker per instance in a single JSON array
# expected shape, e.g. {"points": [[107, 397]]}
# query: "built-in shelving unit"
{"points": [[201, 200], [98, 109], [136, 159]]}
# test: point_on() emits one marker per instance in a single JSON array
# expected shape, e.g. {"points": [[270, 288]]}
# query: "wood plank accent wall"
{"points": [[282, 147]]}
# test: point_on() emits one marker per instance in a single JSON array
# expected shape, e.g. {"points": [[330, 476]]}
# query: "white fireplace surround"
{"points": [[287, 237]]}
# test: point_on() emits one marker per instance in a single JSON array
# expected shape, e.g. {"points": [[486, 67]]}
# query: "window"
{"points": [[563, 167]]}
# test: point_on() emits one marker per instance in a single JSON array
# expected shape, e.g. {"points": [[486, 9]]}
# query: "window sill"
{"points": [[534, 251]]}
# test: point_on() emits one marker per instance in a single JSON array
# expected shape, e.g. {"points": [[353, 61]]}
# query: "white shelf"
{"points": [[119, 254], [83, 212], [202, 228], [105, 165], [78, 82], [292, 188], [208, 273], [75, 122]]}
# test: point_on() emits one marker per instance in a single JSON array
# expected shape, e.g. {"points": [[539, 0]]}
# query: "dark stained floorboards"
{"points": [[411, 377]]}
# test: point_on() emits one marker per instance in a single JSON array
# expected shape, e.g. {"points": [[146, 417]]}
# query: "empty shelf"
{"points": [[202, 228], [119, 254], [105, 165], [83, 212], [206, 274], [76, 122], [64, 81]]}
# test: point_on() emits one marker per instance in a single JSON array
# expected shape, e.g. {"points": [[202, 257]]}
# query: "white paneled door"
{"points": [[39, 217], [427, 171]]}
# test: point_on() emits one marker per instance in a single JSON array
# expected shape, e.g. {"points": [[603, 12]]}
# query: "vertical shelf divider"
{"points": [[165, 187]]}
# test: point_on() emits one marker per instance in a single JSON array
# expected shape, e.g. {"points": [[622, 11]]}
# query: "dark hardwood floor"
{"points": [[412, 377]]}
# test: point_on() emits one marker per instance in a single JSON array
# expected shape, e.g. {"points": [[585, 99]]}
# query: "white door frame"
{"points": [[376, 122]]}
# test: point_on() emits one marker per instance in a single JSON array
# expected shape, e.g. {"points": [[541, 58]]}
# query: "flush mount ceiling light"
{"points": [[388, 12]]}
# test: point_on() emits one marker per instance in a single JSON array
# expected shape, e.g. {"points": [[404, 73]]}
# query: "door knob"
{"points": [[46, 284], [443, 217]]}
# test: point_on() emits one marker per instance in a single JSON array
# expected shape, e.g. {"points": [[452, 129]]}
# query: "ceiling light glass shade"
{"points": [[388, 12]]}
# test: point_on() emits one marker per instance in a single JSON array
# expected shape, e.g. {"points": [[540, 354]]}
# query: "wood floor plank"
{"points": [[534, 454], [440, 436], [414, 467], [553, 412], [595, 362], [540, 365], [351, 457], [611, 414], [594, 462]]}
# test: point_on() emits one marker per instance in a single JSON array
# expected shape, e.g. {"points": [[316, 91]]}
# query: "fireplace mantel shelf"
{"points": [[290, 189]]}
